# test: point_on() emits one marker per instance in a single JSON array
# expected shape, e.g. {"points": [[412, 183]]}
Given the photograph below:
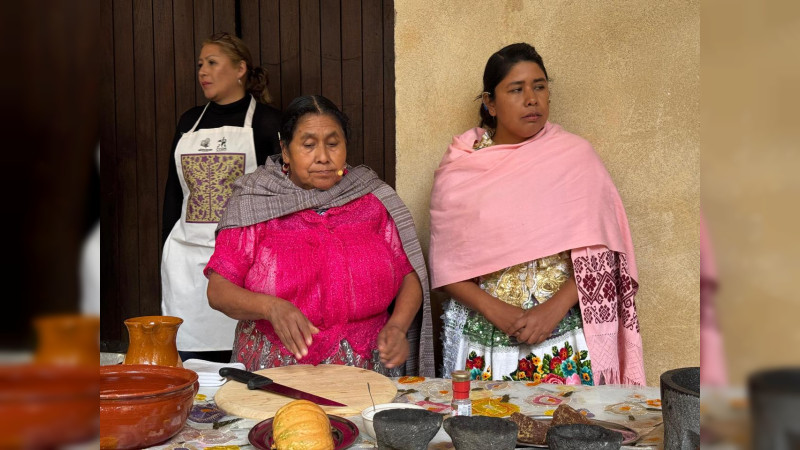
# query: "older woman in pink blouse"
{"points": [[320, 261]]}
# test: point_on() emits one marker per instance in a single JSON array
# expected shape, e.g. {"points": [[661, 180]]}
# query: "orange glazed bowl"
{"points": [[143, 405], [46, 406]]}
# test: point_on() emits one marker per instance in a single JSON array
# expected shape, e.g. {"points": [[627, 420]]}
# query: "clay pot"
{"points": [[68, 340], [152, 340], [143, 405], [47, 406]]}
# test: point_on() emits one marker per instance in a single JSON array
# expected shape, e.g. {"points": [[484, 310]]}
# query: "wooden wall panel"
{"points": [[290, 50], [372, 76], [310, 78], [185, 57], [147, 210], [203, 21], [249, 11], [342, 49], [271, 47], [331, 50], [127, 298], [352, 86], [225, 16], [109, 213], [165, 96]]}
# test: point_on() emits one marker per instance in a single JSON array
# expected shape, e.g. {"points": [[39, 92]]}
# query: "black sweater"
{"points": [[266, 123]]}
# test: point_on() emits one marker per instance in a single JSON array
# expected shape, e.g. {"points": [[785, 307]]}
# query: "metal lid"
{"points": [[460, 375]]}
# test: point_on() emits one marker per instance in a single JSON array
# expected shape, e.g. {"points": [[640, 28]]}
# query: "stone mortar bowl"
{"points": [[368, 414], [481, 433], [680, 407], [581, 436], [406, 429], [774, 404]]}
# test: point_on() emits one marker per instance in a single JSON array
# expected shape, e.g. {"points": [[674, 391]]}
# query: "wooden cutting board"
{"points": [[344, 384]]}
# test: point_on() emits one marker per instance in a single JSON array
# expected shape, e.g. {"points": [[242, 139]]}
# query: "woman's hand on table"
{"points": [[292, 326], [392, 346]]}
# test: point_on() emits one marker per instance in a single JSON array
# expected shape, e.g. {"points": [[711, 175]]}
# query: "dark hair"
{"points": [[310, 104], [498, 66], [256, 79]]}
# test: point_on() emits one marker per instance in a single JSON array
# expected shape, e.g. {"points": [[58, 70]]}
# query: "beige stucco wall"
{"points": [[751, 188], [626, 76]]}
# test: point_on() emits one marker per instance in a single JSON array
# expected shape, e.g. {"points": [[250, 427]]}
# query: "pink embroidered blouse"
{"points": [[342, 268]]}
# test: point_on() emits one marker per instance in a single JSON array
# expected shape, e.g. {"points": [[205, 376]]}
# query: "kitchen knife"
{"points": [[256, 381]]}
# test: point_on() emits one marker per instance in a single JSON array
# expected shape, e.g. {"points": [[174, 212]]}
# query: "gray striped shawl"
{"points": [[267, 194]]}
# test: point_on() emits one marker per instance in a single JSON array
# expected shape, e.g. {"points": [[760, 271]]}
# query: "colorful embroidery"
{"points": [[475, 366], [601, 279], [524, 285], [209, 178], [563, 366]]}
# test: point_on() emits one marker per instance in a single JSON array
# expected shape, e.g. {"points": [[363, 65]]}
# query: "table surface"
{"points": [[635, 407]]}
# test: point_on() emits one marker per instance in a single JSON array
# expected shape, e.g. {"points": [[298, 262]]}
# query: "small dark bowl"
{"points": [[581, 436], [482, 433], [406, 429]]}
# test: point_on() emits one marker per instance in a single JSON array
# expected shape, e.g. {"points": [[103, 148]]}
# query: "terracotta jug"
{"points": [[68, 340], [152, 340]]}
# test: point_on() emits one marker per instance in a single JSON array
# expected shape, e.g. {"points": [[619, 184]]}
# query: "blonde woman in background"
{"points": [[214, 144]]}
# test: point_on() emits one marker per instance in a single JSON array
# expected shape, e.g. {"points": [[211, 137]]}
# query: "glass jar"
{"points": [[462, 406]]}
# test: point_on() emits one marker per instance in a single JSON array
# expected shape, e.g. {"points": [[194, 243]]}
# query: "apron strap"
{"points": [[248, 119], [199, 119]]}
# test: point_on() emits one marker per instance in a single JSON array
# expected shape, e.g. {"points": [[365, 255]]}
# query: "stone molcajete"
{"points": [[774, 405], [481, 433], [406, 429], [680, 404]]}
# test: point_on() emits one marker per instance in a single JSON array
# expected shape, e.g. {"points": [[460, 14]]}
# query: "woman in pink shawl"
{"points": [[531, 241], [320, 261]]}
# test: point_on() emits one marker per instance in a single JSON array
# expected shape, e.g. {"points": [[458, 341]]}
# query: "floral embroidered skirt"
{"points": [[472, 343]]}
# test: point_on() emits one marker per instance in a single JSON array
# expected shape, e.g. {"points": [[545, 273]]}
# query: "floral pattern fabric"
{"points": [[209, 178]]}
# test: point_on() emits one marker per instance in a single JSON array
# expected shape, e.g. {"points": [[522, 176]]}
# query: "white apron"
{"points": [[208, 161]]}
